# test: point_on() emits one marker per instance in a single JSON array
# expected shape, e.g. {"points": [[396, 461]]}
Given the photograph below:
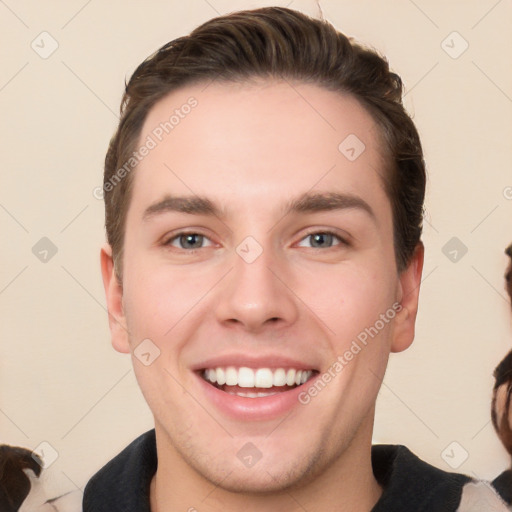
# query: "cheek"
{"points": [[159, 300], [348, 299], [350, 305]]}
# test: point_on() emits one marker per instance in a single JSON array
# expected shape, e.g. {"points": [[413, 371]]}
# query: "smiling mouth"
{"points": [[256, 383]]}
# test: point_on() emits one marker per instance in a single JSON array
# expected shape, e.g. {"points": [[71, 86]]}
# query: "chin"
{"points": [[263, 480]]}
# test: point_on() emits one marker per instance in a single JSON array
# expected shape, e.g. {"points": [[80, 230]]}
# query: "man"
{"points": [[280, 151]]}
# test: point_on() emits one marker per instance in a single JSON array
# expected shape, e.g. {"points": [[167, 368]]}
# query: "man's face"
{"points": [[258, 285]]}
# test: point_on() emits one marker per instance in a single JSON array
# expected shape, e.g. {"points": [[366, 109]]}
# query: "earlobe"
{"points": [[408, 296], [114, 296]]}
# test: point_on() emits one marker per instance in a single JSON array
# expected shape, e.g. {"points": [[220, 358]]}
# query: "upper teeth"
{"points": [[259, 378]]}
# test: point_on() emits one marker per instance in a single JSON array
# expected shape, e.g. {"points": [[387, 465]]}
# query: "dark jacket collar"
{"points": [[409, 483], [412, 484], [503, 484], [123, 484]]}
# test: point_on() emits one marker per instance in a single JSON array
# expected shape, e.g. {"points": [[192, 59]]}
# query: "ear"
{"points": [[408, 294], [114, 296]]}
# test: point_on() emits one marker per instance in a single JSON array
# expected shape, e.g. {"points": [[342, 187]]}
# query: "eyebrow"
{"points": [[305, 203]]}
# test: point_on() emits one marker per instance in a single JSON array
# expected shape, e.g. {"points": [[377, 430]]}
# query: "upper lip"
{"points": [[239, 360]]}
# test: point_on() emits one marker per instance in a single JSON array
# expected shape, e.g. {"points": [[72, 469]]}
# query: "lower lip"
{"points": [[254, 409]]}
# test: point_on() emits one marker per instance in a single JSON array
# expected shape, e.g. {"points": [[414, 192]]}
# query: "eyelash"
{"points": [[342, 241]]}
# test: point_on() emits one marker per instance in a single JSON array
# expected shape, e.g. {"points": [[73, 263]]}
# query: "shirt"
{"points": [[409, 484]]}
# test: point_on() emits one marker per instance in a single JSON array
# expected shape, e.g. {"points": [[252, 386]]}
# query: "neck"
{"points": [[345, 484]]}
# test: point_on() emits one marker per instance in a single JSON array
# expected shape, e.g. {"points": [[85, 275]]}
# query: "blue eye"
{"points": [[187, 241], [323, 239]]}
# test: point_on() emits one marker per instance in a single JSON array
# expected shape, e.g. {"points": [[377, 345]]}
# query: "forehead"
{"points": [[243, 142]]}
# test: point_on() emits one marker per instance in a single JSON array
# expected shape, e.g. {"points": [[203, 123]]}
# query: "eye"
{"points": [[323, 239], [188, 241]]}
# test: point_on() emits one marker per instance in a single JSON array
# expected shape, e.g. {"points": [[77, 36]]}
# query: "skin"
{"points": [[251, 148]]}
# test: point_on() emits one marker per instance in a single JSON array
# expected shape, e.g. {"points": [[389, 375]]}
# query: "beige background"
{"points": [[60, 380]]}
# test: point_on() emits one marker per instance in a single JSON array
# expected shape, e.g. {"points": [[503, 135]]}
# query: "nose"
{"points": [[257, 295]]}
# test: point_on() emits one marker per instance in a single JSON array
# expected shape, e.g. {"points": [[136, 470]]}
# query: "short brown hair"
{"points": [[275, 42]]}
